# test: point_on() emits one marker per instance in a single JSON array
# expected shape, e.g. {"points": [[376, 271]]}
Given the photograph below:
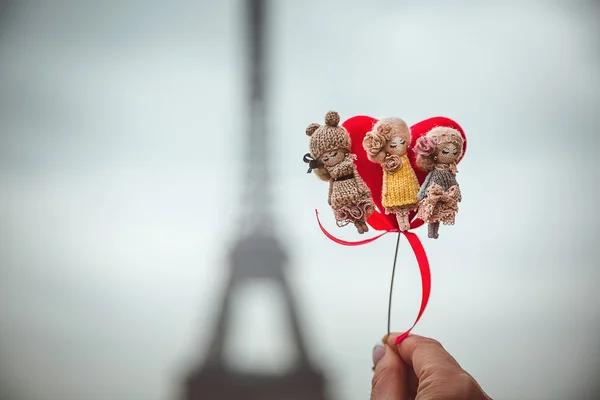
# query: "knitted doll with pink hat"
{"points": [[437, 153]]}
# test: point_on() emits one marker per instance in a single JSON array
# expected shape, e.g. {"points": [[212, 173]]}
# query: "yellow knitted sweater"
{"points": [[400, 188]]}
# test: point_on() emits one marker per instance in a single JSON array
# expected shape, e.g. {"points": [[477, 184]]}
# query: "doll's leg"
{"points": [[361, 227], [365, 226], [432, 230], [402, 217]]}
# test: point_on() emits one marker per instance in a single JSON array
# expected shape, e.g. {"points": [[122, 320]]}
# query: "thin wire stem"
{"points": [[389, 318]]}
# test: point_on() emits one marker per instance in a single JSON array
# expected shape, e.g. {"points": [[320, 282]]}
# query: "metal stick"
{"points": [[389, 318]]}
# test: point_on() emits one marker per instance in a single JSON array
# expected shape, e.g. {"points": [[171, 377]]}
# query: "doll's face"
{"points": [[332, 158], [447, 153], [396, 146]]}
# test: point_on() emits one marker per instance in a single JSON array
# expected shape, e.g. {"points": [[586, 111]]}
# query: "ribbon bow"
{"points": [[437, 195], [312, 163]]}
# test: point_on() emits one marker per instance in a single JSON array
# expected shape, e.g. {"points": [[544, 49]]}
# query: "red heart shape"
{"points": [[372, 173]]}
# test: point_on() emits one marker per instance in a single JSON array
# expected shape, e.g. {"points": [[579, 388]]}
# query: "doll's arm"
{"points": [[361, 185], [424, 187], [459, 193], [330, 191]]}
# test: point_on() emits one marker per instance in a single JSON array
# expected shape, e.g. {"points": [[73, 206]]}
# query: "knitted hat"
{"points": [[328, 137]]}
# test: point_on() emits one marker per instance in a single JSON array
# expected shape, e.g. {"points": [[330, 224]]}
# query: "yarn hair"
{"points": [[375, 140], [428, 146], [426, 163], [322, 174], [383, 131]]}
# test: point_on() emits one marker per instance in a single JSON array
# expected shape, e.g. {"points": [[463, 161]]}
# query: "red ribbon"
{"points": [[423, 263], [421, 256], [346, 243]]}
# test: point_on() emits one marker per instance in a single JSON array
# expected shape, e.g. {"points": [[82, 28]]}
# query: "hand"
{"points": [[420, 369]]}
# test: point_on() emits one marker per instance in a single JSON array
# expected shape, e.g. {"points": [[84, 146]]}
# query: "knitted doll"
{"points": [[332, 161], [437, 153], [387, 144]]}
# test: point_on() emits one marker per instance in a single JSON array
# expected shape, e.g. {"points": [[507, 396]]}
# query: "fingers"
{"points": [[389, 379], [425, 355], [438, 373]]}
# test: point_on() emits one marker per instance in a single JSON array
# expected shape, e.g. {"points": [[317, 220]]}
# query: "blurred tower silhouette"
{"points": [[6, 7], [257, 254]]}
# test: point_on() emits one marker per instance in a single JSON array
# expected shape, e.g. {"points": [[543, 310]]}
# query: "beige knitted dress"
{"points": [[349, 196], [332, 161]]}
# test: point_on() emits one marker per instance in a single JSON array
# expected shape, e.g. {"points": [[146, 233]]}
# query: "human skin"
{"points": [[419, 368]]}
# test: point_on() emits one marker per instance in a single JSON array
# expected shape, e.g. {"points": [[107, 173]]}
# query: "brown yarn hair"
{"points": [[441, 135], [322, 174], [426, 163]]}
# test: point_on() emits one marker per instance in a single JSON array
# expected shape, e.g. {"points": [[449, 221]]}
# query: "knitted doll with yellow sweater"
{"points": [[437, 153], [332, 162], [387, 144]]}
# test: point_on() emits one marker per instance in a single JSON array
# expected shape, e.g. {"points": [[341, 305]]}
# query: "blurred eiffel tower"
{"points": [[257, 254], [6, 9]]}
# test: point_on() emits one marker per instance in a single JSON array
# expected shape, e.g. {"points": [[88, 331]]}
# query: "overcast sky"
{"points": [[120, 171]]}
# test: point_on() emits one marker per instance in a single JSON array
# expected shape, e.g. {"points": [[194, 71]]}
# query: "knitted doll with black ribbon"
{"points": [[437, 153], [332, 161], [387, 144]]}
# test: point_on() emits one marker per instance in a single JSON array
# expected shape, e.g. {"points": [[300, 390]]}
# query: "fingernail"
{"points": [[378, 353]]}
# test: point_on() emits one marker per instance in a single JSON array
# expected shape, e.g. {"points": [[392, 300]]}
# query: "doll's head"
{"points": [[441, 145], [389, 137], [329, 143]]}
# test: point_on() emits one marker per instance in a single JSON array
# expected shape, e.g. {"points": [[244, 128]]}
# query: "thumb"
{"points": [[389, 379]]}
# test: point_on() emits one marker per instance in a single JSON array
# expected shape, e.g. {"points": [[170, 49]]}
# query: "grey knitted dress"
{"points": [[439, 197]]}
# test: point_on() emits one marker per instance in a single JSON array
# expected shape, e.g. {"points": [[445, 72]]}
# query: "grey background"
{"points": [[122, 124]]}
